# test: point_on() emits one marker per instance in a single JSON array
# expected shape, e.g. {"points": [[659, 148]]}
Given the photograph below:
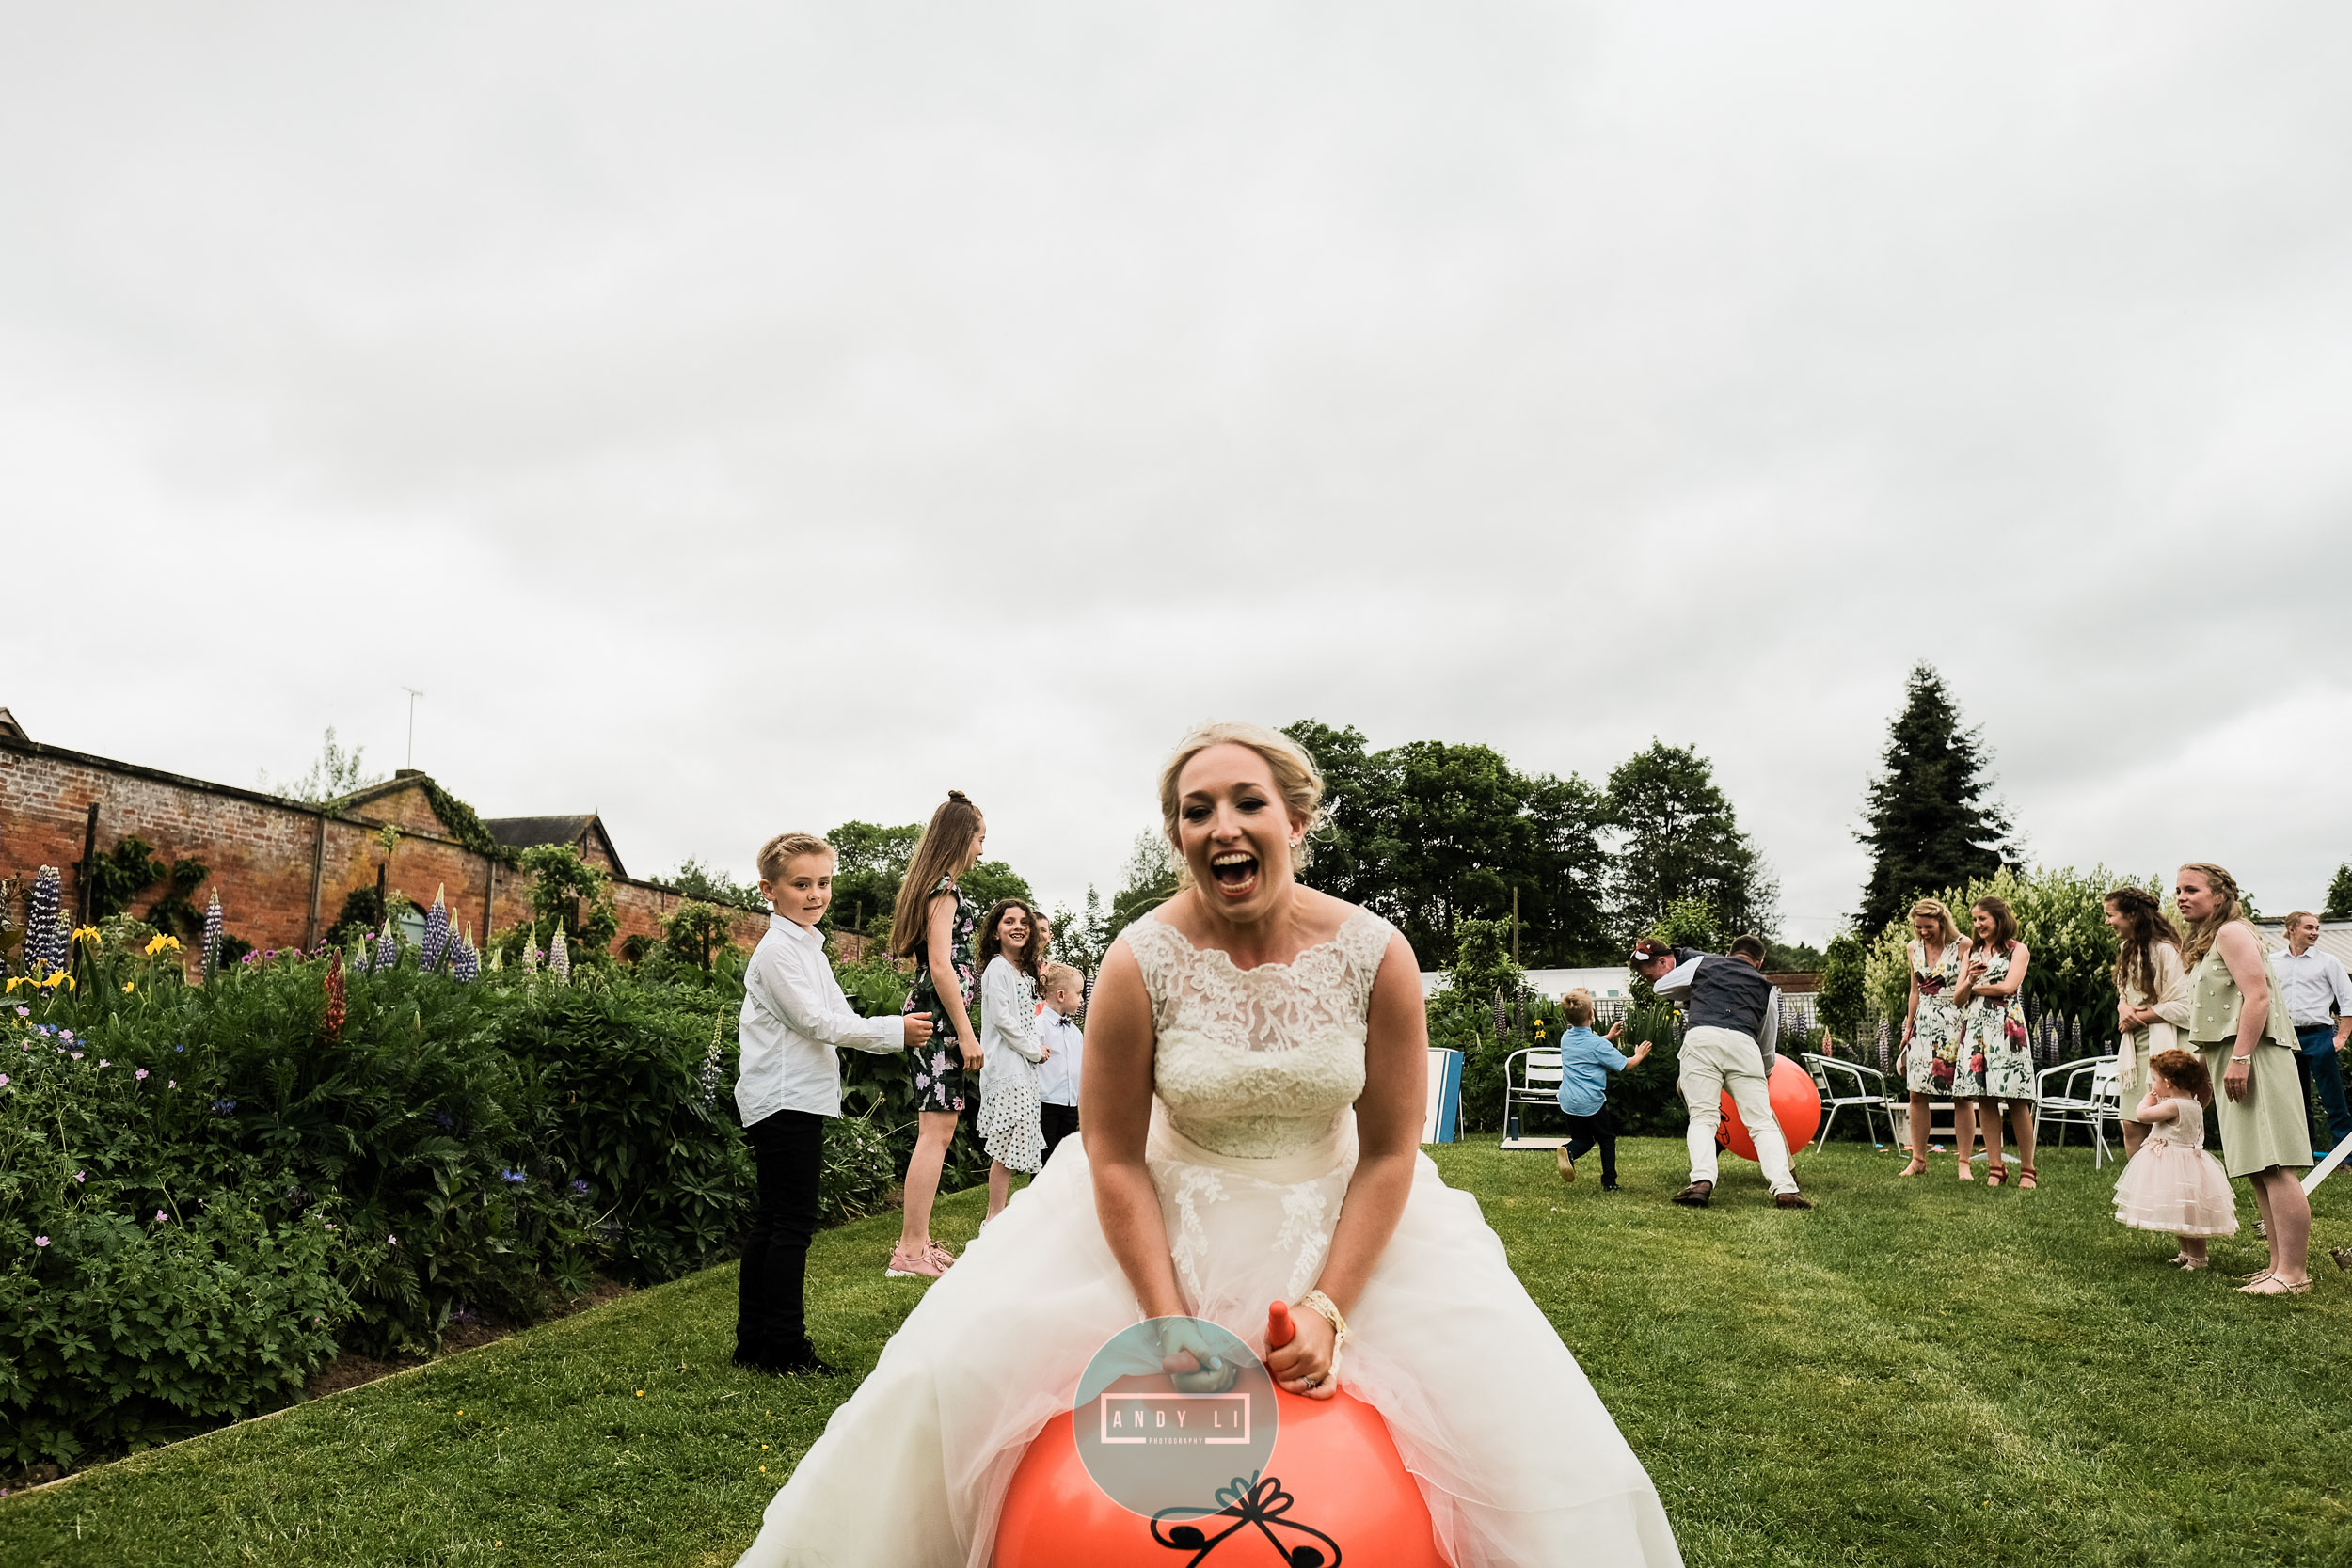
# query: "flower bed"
{"points": [[206, 1191]]}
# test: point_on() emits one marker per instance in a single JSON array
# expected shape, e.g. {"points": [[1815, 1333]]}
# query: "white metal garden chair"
{"points": [[1530, 1077], [2086, 1097], [1867, 1092]]}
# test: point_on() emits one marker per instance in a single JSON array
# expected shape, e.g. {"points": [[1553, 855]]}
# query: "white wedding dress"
{"points": [[1252, 1141]]}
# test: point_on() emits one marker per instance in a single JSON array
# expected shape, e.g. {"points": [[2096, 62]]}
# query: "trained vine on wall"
{"points": [[464, 825]]}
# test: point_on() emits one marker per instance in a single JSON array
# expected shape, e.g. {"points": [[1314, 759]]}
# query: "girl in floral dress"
{"points": [[1931, 1027], [1012, 947], [933, 926], [1996, 1055]]}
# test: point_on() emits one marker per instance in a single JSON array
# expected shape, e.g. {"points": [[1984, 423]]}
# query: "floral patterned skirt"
{"points": [[939, 1075], [1995, 1057]]}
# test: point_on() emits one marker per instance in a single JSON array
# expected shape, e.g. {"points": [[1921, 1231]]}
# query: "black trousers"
{"points": [[1598, 1128], [771, 1322], [1058, 1121]]}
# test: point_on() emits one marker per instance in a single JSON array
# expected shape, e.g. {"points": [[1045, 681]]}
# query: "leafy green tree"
{"points": [[868, 862], [711, 885], [1430, 834], [1929, 822], [1151, 877], [1082, 937], [1803, 957], [1681, 841], [993, 880], [334, 773], [2339, 895], [1844, 1000], [2061, 919], [694, 930], [1462, 1015], [568, 890]]}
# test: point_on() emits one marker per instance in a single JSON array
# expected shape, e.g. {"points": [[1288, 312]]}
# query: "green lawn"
{"points": [[1913, 1374]]}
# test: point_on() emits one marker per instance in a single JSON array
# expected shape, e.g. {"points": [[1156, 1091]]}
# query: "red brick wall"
{"points": [[261, 851]]}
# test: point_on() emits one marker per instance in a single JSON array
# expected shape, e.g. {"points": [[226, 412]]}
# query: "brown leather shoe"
{"points": [[1791, 1200], [1695, 1194]]}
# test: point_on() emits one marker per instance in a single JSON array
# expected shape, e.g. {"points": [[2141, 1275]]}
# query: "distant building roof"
{"points": [[9, 727], [2335, 936], [524, 832], [1603, 983]]}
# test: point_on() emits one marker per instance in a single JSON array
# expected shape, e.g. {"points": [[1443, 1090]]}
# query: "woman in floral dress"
{"points": [[933, 926], [1931, 1027], [1997, 1053]]}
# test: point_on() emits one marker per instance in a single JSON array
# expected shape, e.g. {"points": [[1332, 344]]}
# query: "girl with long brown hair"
{"points": [[1011, 1122], [933, 926], [2152, 995], [1997, 1053], [2238, 1019]]}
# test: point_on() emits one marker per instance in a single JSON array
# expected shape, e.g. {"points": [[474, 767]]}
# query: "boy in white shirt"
{"points": [[1057, 1075], [795, 1019]]}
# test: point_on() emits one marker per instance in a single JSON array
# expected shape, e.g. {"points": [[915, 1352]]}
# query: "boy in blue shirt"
{"points": [[1586, 1060]]}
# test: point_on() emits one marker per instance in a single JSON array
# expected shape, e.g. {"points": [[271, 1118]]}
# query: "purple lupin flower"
{"points": [[467, 964], [386, 947], [559, 957], [212, 933], [436, 932], [45, 936]]}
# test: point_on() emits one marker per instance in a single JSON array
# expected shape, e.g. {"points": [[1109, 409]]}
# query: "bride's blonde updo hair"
{"points": [[1296, 778]]}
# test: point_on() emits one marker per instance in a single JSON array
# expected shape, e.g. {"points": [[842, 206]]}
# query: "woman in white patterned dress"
{"points": [[1011, 1120], [1997, 1053], [1931, 1027], [1251, 1114]]}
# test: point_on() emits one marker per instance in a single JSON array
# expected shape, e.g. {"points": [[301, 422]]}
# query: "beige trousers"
{"points": [[1714, 1060]]}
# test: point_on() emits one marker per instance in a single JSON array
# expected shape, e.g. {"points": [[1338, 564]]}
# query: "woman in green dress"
{"points": [[2238, 1020]]}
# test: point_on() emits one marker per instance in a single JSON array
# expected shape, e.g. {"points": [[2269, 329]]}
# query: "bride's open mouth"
{"points": [[1236, 872]]}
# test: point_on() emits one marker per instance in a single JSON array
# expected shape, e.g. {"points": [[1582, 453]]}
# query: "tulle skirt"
{"points": [[2176, 1189], [1520, 1463]]}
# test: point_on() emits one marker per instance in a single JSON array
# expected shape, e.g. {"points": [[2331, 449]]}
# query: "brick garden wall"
{"points": [[267, 855]]}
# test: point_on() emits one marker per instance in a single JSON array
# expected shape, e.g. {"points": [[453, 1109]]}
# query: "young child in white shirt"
{"points": [[795, 1020], [1057, 1076]]}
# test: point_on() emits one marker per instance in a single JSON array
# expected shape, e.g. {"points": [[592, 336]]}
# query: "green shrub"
{"points": [[858, 1169], [622, 1070], [2061, 919], [121, 1330]]}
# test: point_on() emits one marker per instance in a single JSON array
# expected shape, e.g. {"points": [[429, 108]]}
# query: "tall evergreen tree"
{"points": [[1931, 823], [1682, 841]]}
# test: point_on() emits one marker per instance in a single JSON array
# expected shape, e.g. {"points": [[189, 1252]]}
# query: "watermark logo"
{"points": [[1172, 1415]]}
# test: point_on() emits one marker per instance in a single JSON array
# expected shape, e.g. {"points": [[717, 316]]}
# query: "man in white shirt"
{"points": [[795, 1020], [2319, 1002], [1057, 1075]]}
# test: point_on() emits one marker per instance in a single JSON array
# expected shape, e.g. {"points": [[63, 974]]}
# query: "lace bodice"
{"points": [[1259, 1063]]}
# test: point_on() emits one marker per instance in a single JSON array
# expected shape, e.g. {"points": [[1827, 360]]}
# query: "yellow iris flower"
{"points": [[161, 944], [85, 933]]}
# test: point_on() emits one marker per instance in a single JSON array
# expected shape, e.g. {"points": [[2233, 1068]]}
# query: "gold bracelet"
{"points": [[1323, 1307]]}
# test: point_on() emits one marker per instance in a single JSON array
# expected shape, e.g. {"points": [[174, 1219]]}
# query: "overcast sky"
{"points": [[742, 417]]}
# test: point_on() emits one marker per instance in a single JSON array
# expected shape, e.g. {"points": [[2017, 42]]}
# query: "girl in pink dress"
{"points": [[2172, 1184]]}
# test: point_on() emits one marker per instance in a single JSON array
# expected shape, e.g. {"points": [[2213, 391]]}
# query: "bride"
{"points": [[1251, 1114]]}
